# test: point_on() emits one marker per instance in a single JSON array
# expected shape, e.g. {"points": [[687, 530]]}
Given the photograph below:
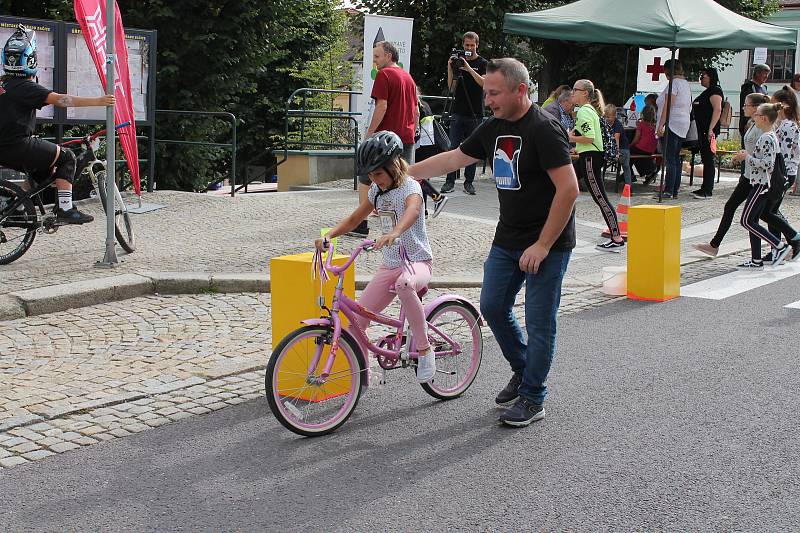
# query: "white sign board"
{"points": [[82, 78], [651, 76], [759, 56], [396, 30]]}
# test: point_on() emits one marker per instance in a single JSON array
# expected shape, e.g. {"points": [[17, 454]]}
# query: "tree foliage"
{"points": [[330, 69], [439, 25], [214, 55]]}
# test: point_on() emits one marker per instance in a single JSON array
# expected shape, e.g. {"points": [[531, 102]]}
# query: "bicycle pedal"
{"points": [[49, 225]]}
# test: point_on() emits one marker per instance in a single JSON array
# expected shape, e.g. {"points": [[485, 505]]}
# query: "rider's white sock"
{"points": [[65, 200]]}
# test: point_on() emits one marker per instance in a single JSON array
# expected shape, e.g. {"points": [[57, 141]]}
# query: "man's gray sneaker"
{"points": [[510, 393], [523, 413]]}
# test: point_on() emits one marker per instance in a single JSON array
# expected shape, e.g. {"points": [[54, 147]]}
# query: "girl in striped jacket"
{"points": [[758, 170]]}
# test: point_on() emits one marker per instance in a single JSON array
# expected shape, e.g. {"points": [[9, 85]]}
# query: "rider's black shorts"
{"points": [[33, 156]]}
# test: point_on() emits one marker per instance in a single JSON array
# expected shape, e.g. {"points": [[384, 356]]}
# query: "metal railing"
{"points": [[351, 116], [303, 114], [222, 115]]}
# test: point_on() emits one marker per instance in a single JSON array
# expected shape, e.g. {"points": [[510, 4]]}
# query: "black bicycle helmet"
{"points": [[18, 56], [377, 150]]}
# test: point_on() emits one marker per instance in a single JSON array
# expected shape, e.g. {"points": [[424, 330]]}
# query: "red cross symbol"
{"points": [[656, 69]]}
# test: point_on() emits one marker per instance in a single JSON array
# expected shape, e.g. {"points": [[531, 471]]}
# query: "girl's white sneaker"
{"points": [[426, 367]]}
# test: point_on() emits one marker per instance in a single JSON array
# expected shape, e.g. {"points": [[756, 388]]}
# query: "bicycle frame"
{"points": [[342, 304], [86, 161]]}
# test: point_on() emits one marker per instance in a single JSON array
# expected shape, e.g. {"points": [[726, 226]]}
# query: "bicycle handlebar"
{"points": [[95, 135], [367, 243]]}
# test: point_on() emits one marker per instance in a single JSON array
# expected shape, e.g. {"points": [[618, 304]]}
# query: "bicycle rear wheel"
{"points": [[299, 397], [17, 228], [123, 228], [457, 363]]}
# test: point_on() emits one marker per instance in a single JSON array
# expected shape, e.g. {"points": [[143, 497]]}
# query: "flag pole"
{"points": [[110, 258]]}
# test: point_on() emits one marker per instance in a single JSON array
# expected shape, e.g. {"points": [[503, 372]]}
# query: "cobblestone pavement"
{"points": [[101, 372]]}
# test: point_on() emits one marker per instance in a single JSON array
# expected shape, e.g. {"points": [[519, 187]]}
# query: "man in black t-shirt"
{"points": [[537, 188], [465, 82], [20, 98]]}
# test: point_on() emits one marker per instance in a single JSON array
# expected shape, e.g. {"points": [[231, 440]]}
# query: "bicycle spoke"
{"points": [[342, 374]]}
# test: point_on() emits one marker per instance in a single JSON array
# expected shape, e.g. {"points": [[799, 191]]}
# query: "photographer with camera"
{"points": [[465, 82]]}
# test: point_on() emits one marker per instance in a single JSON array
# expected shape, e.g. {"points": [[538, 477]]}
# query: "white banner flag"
{"points": [[396, 30], [651, 76]]}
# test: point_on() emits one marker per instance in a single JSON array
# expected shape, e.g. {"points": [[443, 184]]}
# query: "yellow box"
{"points": [[295, 297], [654, 252]]}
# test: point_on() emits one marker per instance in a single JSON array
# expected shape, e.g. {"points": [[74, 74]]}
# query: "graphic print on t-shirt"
{"points": [[506, 160]]}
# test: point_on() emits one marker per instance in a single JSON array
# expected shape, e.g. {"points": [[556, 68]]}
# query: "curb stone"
{"points": [[11, 307], [57, 298]]}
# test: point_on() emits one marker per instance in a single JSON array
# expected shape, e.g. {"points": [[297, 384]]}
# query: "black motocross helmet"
{"points": [[18, 56], [377, 150]]}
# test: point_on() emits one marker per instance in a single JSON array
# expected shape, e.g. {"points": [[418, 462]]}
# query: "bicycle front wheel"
{"points": [[300, 397], [17, 227], [123, 228], [458, 346]]}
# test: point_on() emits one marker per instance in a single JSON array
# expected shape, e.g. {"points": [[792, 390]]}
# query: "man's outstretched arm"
{"points": [[441, 164]]}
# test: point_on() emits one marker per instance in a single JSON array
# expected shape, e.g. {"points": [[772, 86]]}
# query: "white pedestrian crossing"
{"points": [[728, 285]]}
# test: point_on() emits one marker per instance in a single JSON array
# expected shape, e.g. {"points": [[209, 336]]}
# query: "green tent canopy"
{"points": [[668, 23]]}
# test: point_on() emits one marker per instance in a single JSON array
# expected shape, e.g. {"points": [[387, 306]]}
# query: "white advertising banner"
{"points": [[396, 30], [651, 76]]}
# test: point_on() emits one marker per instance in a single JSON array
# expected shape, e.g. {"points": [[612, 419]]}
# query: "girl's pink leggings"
{"points": [[376, 297]]}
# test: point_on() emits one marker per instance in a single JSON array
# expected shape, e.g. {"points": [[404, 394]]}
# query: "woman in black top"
{"points": [[707, 109]]}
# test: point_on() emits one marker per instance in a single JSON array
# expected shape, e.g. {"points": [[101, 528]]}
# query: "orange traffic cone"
{"points": [[622, 212]]}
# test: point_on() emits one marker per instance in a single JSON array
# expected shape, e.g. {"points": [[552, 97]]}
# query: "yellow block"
{"points": [[295, 297], [654, 252]]}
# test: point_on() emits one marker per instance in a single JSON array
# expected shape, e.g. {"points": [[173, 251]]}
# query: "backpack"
{"points": [[727, 114], [610, 150]]}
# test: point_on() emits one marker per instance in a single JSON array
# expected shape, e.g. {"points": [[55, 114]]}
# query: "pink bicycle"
{"points": [[317, 373]]}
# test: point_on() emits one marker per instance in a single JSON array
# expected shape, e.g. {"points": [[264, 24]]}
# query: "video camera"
{"points": [[459, 57]]}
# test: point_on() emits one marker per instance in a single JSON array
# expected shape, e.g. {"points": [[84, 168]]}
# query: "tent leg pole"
{"points": [[625, 77], [666, 124]]}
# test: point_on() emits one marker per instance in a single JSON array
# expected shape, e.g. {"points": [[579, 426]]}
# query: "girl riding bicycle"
{"points": [[20, 97], [407, 269]]}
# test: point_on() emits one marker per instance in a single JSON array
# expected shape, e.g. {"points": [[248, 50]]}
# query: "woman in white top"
{"points": [[680, 108], [758, 170]]}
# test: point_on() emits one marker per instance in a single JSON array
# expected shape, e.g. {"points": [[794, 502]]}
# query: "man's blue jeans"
{"points": [[502, 280], [461, 127], [672, 162]]}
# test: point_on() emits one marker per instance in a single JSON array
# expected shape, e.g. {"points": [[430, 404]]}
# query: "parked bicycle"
{"points": [[317, 373], [20, 222]]}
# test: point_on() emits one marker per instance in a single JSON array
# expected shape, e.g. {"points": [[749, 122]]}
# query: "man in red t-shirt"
{"points": [[396, 110]]}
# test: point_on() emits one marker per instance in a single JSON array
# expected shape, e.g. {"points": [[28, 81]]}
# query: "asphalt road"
{"points": [[679, 416]]}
